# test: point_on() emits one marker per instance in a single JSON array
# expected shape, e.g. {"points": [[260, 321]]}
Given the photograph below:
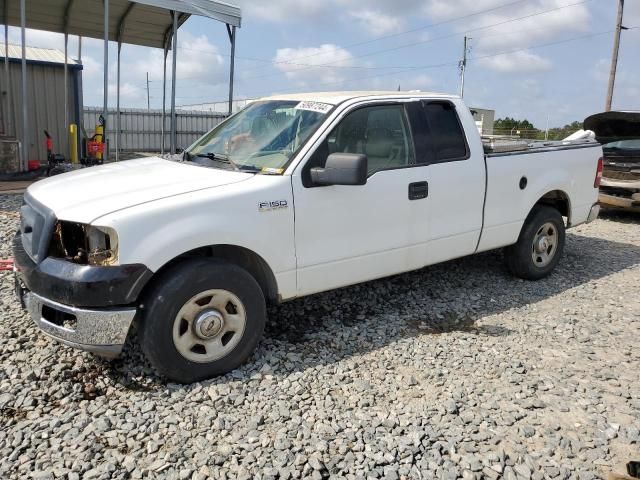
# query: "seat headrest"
{"points": [[261, 127], [379, 142]]}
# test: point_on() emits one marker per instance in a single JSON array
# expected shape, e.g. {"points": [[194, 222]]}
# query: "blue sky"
{"points": [[529, 59]]}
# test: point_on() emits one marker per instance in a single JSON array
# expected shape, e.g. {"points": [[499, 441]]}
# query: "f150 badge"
{"points": [[276, 204]]}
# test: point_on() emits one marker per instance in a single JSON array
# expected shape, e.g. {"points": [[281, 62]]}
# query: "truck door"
{"points": [[456, 179], [349, 234]]}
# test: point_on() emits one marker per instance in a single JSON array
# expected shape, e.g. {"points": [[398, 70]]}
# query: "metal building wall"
{"points": [[45, 103], [141, 129]]}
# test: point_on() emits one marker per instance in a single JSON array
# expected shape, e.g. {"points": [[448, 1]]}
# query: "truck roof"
{"points": [[335, 98]]}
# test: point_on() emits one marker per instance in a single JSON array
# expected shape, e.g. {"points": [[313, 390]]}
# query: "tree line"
{"points": [[525, 129]]}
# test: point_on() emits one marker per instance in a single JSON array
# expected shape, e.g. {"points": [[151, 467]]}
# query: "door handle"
{"points": [[418, 190]]}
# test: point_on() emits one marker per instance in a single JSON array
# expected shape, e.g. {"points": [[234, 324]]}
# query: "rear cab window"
{"points": [[446, 137]]}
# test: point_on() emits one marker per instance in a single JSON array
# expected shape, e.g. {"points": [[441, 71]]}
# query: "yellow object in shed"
{"points": [[73, 143], [99, 138]]}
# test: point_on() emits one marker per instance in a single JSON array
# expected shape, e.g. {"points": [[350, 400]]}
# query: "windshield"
{"points": [[263, 137], [623, 145]]}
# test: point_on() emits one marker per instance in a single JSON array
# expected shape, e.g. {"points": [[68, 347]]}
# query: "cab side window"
{"points": [[381, 132], [446, 134]]}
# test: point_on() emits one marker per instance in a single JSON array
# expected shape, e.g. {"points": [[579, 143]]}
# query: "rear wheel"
{"points": [[202, 318], [539, 245]]}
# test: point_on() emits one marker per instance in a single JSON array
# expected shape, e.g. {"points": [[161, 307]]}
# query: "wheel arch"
{"points": [[240, 256], [557, 199]]}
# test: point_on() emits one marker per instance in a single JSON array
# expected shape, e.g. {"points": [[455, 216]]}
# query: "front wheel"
{"points": [[539, 245], [202, 317]]}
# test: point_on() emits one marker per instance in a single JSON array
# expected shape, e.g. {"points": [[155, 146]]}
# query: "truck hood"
{"points": [[614, 126], [86, 194]]}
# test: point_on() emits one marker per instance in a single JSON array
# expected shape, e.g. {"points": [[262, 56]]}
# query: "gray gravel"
{"points": [[456, 370]]}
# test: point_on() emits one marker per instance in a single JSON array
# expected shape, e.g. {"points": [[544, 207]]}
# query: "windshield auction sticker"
{"points": [[314, 106]]}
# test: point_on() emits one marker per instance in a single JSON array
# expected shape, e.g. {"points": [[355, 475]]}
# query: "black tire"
{"points": [[519, 257], [173, 290]]}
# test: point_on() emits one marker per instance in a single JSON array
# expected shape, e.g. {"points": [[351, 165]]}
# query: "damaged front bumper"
{"points": [[102, 332], [83, 306]]}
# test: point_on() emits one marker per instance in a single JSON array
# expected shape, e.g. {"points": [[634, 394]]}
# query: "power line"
{"points": [[413, 30], [407, 69], [422, 42], [377, 52], [384, 37], [455, 63]]}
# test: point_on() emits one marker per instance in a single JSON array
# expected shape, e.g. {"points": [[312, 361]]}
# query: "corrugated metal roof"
{"points": [[49, 55], [144, 22]]}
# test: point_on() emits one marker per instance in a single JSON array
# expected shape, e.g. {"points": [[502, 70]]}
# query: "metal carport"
{"points": [[151, 23]]}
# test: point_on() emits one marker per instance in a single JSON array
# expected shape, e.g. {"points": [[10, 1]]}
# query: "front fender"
{"points": [[157, 232]]}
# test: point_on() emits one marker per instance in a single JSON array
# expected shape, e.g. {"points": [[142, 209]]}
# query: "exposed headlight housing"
{"points": [[84, 244]]}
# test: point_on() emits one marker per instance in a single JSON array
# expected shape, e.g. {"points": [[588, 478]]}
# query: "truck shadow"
{"points": [[450, 297], [439, 299], [620, 216]]}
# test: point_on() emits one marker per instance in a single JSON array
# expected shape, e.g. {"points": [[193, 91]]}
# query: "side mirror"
{"points": [[341, 169], [179, 150]]}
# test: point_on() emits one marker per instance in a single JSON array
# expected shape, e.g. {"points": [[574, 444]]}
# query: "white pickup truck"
{"points": [[295, 194]]}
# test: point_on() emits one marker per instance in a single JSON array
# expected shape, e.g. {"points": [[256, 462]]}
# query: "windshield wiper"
{"points": [[249, 168], [219, 157]]}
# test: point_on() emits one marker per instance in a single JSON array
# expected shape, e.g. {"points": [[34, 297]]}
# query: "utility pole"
{"points": [[614, 56], [148, 97], [463, 64]]}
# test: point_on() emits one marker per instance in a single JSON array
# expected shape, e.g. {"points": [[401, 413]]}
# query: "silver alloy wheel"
{"points": [[209, 326], [545, 245]]}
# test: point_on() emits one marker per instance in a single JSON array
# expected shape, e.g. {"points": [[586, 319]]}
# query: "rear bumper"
{"points": [[102, 332], [593, 213]]}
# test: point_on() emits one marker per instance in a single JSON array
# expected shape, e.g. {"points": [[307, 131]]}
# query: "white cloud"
{"points": [[377, 17], [129, 93], [509, 34], [626, 94], [326, 54], [198, 61], [517, 62], [281, 11], [632, 14], [377, 23], [91, 68]]}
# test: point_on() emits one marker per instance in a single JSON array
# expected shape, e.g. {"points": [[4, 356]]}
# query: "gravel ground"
{"points": [[456, 370]]}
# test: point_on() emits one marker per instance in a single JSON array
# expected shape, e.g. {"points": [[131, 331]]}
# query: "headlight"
{"points": [[84, 244], [102, 245]]}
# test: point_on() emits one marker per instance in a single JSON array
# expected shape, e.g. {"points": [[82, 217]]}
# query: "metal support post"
{"points": [[105, 99], [117, 136], [25, 119], [164, 101], [232, 38], [173, 83], [7, 94], [66, 92]]}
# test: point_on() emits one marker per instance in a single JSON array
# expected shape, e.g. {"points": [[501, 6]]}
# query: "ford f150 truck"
{"points": [[295, 194]]}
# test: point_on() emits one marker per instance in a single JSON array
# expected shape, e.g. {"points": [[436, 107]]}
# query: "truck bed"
{"points": [[517, 179], [500, 146]]}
